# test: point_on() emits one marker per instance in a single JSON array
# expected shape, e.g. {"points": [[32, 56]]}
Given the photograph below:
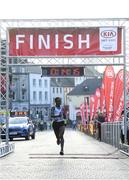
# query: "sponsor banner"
{"points": [[65, 41], [119, 94], [97, 101], [62, 71], [109, 80], [92, 104], [108, 39], [82, 110], [86, 108], [102, 98]]}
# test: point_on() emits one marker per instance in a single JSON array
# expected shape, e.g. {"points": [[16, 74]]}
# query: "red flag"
{"points": [[102, 98], [119, 93], [92, 101], [82, 113], [109, 78], [97, 101]]}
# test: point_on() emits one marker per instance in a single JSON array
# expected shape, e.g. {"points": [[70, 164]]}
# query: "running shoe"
{"points": [[61, 153]]}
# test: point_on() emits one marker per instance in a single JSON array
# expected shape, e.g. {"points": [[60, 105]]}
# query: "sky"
{"points": [[63, 9], [60, 9]]}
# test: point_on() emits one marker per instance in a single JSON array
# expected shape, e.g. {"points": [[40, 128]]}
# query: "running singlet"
{"points": [[56, 111]]}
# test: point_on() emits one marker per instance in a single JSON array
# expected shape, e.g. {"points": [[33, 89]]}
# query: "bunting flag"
{"points": [[97, 101], [92, 103], [82, 110], [118, 104], [109, 79], [102, 98]]}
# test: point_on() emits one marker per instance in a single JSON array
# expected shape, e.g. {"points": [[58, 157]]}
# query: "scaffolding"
{"points": [[7, 61]]}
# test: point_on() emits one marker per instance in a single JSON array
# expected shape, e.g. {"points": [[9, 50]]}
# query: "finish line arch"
{"points": [[10, 56]]}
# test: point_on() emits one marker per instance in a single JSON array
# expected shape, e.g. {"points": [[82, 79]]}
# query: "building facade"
{"points": [[39, 89]]}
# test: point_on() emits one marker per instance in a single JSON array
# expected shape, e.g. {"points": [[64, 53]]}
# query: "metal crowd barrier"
{"points": [[110, 133]]}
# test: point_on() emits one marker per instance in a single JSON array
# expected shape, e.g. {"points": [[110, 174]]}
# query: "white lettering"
{"points": [[42, 41], [18, 41], [56, 41], [31, 41], [86, 41], [68, 41]]}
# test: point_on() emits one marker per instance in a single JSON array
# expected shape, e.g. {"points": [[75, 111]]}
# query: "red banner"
{"points": [[97, 101], [119, 94], [109, 78], [92, 104], [82, 110], [102, 98], [64, 41]]}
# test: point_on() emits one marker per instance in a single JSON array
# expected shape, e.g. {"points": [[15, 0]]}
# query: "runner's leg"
{"points": [[56, 130], [61, 133]]}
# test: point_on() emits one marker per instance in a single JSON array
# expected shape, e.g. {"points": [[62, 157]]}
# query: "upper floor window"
{"points": [[40, 83], [46, 95], [53, 90], [40, 95], [34, 82], [34, 95], [23, 95], [45, 83]]}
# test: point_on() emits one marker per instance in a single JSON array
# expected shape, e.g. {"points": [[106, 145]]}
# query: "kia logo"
{"points": [[108, 34]]}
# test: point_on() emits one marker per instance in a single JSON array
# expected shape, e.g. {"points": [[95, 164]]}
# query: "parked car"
{"points": [[20, 127], [2, 120]]}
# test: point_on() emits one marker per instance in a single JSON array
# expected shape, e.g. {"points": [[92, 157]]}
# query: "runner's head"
{"points": [[58, 101]]}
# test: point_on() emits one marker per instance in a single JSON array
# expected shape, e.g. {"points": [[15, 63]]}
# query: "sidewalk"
{"points": [[85, 158]]}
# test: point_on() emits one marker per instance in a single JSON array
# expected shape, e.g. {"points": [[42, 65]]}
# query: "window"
{"points": [[40, 83], [34, 82], [46, 95], [56, 90], [23, 95], [34, 95], [13, 70], [45, 83], [53, 90], [60, 90], [40, 95]]}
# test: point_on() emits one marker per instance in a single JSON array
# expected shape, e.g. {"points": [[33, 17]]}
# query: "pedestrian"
{"points": [[101, 119], [58, 116]]}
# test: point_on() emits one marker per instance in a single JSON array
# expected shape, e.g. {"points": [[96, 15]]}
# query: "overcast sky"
{"points": [[61, 9], [52, 9]]}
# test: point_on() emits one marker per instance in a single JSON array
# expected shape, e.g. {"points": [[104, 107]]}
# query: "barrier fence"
{"points": [[110, 133]]}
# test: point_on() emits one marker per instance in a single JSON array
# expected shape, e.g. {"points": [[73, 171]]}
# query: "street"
{"points": [[84, 158]]}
